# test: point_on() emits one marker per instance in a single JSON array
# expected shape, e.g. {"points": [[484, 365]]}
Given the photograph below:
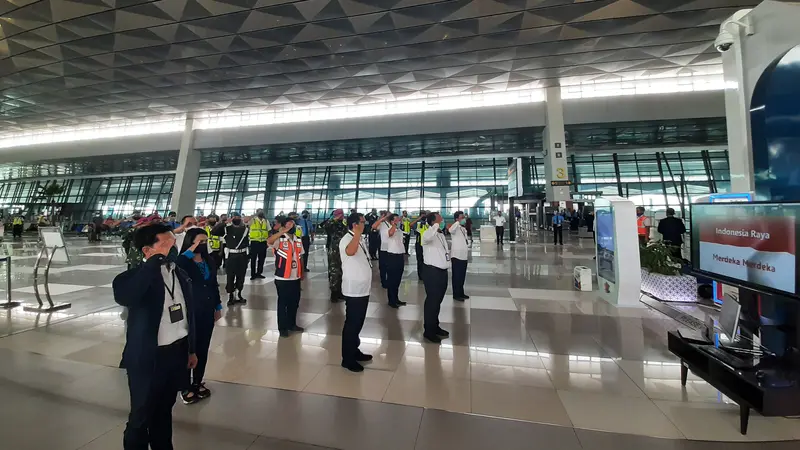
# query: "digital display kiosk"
{"points": [[618, 269]]}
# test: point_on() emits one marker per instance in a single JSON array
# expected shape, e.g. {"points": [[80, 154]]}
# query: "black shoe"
{"points": [[363, 357], [241, 299], [443, 333], [432, 338], [253, 278], [260, 277], [352, 366], [305, 269], [394, 305], [401, 303], [189, 397], [283, 333], [459, 299], [231, 300], [297, 329]]}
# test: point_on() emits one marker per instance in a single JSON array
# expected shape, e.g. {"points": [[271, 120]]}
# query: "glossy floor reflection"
{"points": [[526, 346]]}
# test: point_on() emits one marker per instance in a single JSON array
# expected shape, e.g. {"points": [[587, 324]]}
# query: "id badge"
{"points": [[175, 313], [294, 264]]}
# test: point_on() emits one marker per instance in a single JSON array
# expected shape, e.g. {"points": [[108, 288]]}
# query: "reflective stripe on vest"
{"points": [[406, 226], [640, 228], [17, 221], [258, 230], [213, 241], [288, 259]]}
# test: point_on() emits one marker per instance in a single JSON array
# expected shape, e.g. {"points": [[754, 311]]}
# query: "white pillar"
{"points": [[184, 194], [737, 115], [555, 149]]}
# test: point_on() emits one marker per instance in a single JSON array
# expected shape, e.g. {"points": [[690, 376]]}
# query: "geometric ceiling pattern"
{"points": [[69, 62]]}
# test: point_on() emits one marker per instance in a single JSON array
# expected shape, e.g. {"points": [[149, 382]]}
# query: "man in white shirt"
{"points": [[187, 223], [460, 255], [289, 252], [381, 226], [437, 261], [392, 235], [160, 337], [499, 227], [356, 285]]}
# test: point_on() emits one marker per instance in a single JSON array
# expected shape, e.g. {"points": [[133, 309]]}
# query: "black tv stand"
{"points": [[768, 387]]}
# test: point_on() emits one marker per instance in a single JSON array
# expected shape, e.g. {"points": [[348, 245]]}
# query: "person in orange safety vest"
{"points": [[643, 226], [288, 272]]}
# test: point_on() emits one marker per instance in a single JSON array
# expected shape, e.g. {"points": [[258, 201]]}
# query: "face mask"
{"points": [[292, 231], [172, 256], [202, 249], [305, 216], [261, 215], [237, 221], [212, 222], [441, 225], [463, 221]]}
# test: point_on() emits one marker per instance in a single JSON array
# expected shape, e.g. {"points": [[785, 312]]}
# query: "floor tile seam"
{"points": [[122, 422]]}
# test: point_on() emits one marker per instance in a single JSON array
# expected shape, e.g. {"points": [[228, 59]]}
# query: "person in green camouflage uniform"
{"points": [[133, 256], [336, 229]]}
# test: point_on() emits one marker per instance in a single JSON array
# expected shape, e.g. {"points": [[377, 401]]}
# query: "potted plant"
{"points": [[661, 275]]}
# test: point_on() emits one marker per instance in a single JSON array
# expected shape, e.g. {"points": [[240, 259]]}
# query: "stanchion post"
{"points": [[8, 303], [50, 305]]}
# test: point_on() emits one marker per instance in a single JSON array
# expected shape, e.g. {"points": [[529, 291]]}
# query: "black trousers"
{"points": [[355, 314], [258, 253], [420, 258], [383, 268], [558, 234], [435, 280], [374, 244], [204, 328], [395, 265], [288, 302], [406, 241], [153, 391], [306, 249], [459, 276], [499, 231], [16, 230], [236, 270]]}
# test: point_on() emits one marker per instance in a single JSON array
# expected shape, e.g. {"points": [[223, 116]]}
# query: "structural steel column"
{"points": [[555, 150], [184, 195]]}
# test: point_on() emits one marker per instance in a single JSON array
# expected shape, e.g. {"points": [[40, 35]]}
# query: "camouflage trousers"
{"points": [[335, 270]]}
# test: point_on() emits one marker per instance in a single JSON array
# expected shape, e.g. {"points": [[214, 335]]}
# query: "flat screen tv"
{"points": [[752, 245]]}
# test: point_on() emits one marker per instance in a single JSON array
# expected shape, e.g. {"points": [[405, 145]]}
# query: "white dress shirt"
{"points": [[460, 243], [437, 253], [384, 232], [499, 221], [356, 269], [169, 332], [394, 244]]}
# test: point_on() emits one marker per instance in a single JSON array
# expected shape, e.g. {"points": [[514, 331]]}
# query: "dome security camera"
{"points": [[724, 41], [726, 38]]}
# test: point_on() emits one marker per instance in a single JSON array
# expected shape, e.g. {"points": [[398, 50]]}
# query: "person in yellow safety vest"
{"points": [[421, 227], [259, 232], [17, 225], [214, 242], [406, 226], [643, 226]]}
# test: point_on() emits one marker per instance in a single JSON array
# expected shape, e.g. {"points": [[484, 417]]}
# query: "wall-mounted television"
{"points": [[751, 245]]}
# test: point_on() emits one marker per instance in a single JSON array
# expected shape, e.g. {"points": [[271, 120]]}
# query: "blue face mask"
{"points": [[463, 221], [441, 225]]}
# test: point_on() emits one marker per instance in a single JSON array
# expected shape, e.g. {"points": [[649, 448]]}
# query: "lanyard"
{"points": [[363, 250], [170, 291]]}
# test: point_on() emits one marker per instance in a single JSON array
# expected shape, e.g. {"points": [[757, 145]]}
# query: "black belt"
{"points": [[177, 343]]}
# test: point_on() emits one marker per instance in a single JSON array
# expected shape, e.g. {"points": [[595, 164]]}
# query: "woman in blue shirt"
{"points": [[194, 259]]}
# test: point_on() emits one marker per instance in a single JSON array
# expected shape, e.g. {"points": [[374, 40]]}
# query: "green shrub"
{"points": [[657, 257]]}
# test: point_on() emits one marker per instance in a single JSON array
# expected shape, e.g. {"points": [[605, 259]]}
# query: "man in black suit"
{"points": [[160, 337]]}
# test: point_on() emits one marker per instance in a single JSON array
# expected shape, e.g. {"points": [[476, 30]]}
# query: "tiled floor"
{"points": [[568, 369]]}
